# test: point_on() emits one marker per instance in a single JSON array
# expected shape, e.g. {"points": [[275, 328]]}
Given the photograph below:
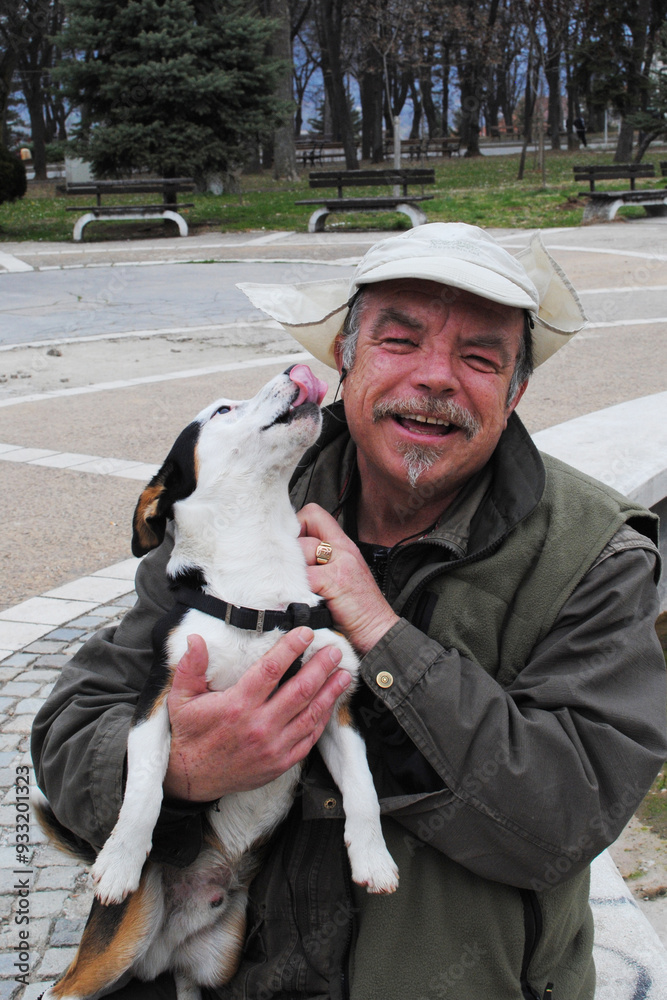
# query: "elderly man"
{"points": [[503, 604]]}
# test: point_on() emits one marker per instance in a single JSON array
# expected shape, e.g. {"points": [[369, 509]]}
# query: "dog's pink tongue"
{"points": [[311, 388]]}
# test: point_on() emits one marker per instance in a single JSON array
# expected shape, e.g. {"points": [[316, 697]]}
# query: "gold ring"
{"points": [[323, 553]]}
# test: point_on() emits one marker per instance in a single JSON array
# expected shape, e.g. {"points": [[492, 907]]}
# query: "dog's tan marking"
{"points": [[147, 507], [109, 945], [162, 695], [230, 957], [344, 715]]}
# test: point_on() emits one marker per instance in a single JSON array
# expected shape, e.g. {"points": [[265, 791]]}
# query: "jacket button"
{"points": [[330, 803], [384, 679]]}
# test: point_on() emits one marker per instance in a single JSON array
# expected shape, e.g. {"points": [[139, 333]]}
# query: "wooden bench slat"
{"points": [[356, 203], [127, 208], [612, 171]]}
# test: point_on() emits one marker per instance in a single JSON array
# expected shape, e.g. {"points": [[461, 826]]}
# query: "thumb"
{"points": [[190, 675]]}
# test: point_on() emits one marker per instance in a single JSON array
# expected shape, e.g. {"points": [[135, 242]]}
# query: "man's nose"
{"points": [[435, 371]]}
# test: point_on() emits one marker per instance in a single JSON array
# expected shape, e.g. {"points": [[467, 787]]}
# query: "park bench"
{"points": [[446, 146], [168, 187], [503, 132], [613, 172], [313, 151], [602, 206], [340, 179], [421, 149]]}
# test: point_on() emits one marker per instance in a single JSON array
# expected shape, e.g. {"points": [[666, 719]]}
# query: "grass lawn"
{"points": [[483, 191]]}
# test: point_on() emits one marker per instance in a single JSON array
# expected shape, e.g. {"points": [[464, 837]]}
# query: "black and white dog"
{"points": [[224, 484]]}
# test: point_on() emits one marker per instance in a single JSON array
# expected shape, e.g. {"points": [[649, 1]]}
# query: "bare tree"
{"points": [[614, 60], [330, 18], [284, 151]]}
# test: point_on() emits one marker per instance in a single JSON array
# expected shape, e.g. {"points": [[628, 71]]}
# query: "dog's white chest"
{"points": [[231, 651]]}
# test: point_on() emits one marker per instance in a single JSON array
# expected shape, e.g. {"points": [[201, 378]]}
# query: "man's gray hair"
{"points": [[349, 334]]}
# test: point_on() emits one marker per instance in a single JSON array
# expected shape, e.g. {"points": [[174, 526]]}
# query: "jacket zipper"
{"points": [[532, 920], [442, 568]]}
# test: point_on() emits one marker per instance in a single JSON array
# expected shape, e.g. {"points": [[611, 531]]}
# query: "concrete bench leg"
{"points": [[656, 210], [80, 225], [317, 220], [596, 211], [128, 216], [179, 220], [414, 214]]}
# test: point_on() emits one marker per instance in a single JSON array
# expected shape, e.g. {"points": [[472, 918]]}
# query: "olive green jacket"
{"points": [[523, 722]]}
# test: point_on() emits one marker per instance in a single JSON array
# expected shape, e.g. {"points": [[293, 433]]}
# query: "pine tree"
{"points": [[174, 87]]}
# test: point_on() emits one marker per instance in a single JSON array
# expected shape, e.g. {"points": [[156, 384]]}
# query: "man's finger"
{"points": [[262, 678], [318, 523], [190, 674]]}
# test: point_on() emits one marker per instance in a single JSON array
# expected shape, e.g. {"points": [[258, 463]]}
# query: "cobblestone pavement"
{"points": [[44, 895]]}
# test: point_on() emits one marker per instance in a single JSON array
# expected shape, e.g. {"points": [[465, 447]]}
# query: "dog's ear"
{"points": [[176, 480]]}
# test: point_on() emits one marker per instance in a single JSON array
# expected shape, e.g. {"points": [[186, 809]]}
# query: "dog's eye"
{"points": [[223, 409]]}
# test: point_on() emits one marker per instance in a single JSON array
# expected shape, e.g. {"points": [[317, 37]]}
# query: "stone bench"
{"points": [[624, 446], [168, 187], [401, 177]]}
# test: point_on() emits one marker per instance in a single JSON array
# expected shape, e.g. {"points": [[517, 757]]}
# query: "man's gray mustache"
{"points": [[444, 409]]}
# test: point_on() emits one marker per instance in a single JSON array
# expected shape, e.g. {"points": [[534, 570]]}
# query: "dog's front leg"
{"points": [[185, 988], [117, 870], [344, 753]]}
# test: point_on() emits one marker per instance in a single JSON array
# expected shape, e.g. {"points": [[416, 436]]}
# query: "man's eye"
{"points": [[485, 364], [399, 342]]}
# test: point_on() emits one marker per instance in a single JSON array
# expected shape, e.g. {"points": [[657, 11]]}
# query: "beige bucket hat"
{"points": [[452, 253]]}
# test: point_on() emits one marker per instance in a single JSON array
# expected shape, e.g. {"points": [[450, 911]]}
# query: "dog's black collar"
{"points": [[251, 619]]}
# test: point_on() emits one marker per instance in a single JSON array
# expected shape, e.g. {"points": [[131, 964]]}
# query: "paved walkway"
{"points": [[41, 884], [84, 422]]}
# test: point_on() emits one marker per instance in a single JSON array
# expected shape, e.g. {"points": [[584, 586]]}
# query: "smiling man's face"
{"points": [[426, 399]]}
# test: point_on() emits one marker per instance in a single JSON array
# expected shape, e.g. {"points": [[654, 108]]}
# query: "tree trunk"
{"points": [[446, 71], [416, 111], [38, 133], [623, 152], [370, 90], [635, 91], [470, 109], [284, 150], [433, 119], [329, 29], [552, 73]]}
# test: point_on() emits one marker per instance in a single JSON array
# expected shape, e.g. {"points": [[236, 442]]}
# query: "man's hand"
{"points": [[242, 738], [345, 582]]}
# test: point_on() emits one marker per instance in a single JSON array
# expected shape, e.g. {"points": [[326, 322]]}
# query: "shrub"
{"points": [[13, 182]]}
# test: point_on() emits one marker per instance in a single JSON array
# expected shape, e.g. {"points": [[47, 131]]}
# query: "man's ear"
{"points": [[176, 480], [517, 398], [338, 354], [338, 357]]}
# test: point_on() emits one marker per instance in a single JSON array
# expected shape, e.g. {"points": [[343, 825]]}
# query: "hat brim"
{"points": [[313, 312]]}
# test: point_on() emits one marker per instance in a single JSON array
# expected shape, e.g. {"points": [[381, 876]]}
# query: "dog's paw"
{"points": [[373, 867], [116, 873]]}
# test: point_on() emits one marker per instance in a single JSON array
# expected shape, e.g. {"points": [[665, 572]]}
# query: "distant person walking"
{"points": [[580, 126]]}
